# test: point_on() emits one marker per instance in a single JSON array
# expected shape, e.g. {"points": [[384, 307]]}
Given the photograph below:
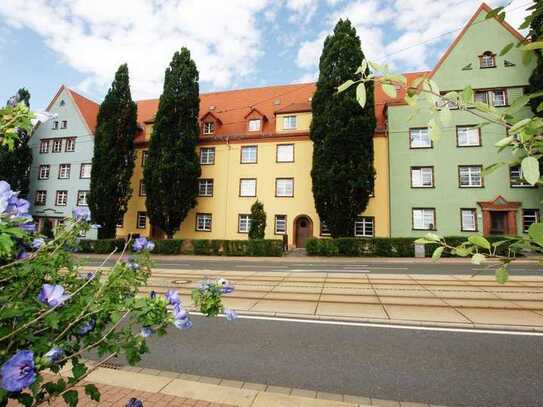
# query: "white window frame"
{"points": [[255, 125], [468, 136], [203, 222], [207, 155], [55, 125], [44, 171], [205, 187], [465, 227], [57, 145], [516, 179], [502, 91], [470, 172], [44, 146], [41, 198], [419, 137], [141, 220], [244, 223], [280, 227], [423, 218], [364, 226], [489, 96], [284, 187], [284, 153], [61, 198], [488, 60], [64, 171], [528, 219], [64, 124], [209, 128], [247, 187], [83, 171], [290, 122], [69, 147], [82, 198], [249, 154], [141, 191], [418, 175]]}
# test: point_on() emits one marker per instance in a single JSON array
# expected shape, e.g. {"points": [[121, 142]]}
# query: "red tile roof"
{"points": [[88, 108]]}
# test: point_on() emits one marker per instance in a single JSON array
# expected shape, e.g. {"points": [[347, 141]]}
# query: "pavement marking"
{"points": [[249, 266], [387, 326], [356, 271]]}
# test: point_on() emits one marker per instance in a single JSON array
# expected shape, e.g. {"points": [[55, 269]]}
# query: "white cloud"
{"points": [[223, 37], [302, 10]]}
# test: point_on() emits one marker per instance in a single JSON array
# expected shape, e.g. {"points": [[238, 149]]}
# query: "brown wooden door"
{"points": [[498, 223], [303, 230]]}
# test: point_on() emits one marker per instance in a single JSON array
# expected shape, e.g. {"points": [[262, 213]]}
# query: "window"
{"points": [[285, 153], [422, 177], [207, 155], [64, 124], [289, 123], [249, 154], [419, 138], [64, 171], [203, 222], [82, 198], [470, 176], [142, 188], [55, 125], [41, 198], [516, 179], [44, 146], [487, 60], [254, 124], [244, 223], [247, 187], [61, 198], [141, 220], [144, 155], [468, 136], [70, 145], [424, 219], [205, 187], [325, 231], [284, 187], [280, 224], [496, 97], [468, 218], [209, 127], [44, 172], [57, 145], [85, 170], [529, 216], [363, 227], [499, 98]]}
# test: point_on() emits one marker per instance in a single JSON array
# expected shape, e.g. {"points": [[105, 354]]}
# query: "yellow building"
{"points": [[255, 145]]}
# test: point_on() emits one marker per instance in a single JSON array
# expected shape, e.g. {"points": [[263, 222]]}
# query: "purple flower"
{"points": [[146, 331], [134, 402], [17, 207], [54, 355], [91, 276], [183, 323], [230, 314], [22, 255], [226, 287], [87, 327], [18, 372], [13, 101], [81, 214], [52, 295], [179, 312], [173, 297], [28, 226], [141, 243], [37, 243]]}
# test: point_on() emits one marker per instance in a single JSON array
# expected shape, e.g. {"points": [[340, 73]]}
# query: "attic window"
{"points": [[255, 124], [62, 102], [209, 127], [487, 60]]}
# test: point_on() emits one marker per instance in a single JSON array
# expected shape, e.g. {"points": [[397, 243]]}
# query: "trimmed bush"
{"points": [[168, 246], [262, 247], [207, 247]]}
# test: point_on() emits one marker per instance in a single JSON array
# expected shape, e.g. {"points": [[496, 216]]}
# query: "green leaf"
{"points": [[71, 398], [536, 233], [432, 237], [506, 49], [493, 13], [502, 275], [532, 46], [518, 104], [445, 115], [344, 86], [361, 94], [389, 89], [362, 68], [92, 392], [480, 241], [78, 370], [505, 141], [437, 253], [530, 169], [518, 125], [468, 94], [477, 258]]}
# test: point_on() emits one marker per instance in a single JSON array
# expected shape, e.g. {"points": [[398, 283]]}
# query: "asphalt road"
{"points": [[445, 368], [330, 266]]}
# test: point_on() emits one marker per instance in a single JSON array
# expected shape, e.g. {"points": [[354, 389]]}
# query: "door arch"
{"points": [[303, 230]]}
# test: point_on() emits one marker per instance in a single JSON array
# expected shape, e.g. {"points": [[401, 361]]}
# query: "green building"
{"points": [[439, 185]]}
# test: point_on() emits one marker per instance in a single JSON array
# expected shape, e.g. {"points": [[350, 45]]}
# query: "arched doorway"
{"points": [[303, 230]]}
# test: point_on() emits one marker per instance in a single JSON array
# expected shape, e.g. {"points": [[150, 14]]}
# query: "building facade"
{"points": [[62, 151], [255, 145], [439, 185]]}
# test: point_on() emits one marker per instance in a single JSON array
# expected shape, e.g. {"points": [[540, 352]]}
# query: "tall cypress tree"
{"points": [[536, 79], [342, 134], [113, 160], [172, 167], [15, 164]]}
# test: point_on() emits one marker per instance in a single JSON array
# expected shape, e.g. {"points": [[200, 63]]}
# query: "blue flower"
{"points": [[28, 226], [141, 243], [54, 355], [146, 331], [81, 214], [87, 327], [226, 287], [17, 207], [132, 264], [37, 243], [179, 312], [183, 323], [230, 314], [18, 372], [22, 255], [173, 297], [134, 402], [52, 295]]}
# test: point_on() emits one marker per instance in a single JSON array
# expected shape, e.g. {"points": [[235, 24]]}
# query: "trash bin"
{"points": [[419, 250]]}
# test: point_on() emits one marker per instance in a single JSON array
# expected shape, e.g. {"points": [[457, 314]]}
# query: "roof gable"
{"points": [[88, 109]]}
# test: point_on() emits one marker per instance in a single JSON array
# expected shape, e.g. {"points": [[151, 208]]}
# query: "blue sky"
{"points": [[236, 43]]}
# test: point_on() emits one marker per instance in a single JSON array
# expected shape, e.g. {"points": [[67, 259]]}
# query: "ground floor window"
{"points": [[325, 231], [280, 224], [468, 218], [529, 216], [142, 220], [364, 226], [203, 222], [424, 218], [244, 223]]}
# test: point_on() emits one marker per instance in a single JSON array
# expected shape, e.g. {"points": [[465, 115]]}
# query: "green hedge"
{"points": [[197, 246]]}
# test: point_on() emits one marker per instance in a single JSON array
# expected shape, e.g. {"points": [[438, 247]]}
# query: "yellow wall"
{"points": [[226, 204]]}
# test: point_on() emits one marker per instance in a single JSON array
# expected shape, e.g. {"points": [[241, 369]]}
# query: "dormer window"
{"points": [[255, 124], [289, 123], [209, 127], [487, 60]]}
